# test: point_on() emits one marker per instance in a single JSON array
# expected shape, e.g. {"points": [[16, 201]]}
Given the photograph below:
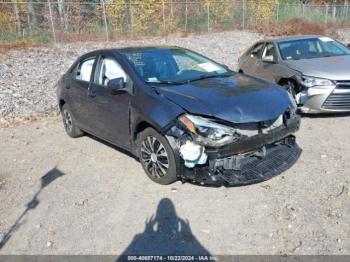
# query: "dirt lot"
{"points": [[78, 196], [97, 200]]}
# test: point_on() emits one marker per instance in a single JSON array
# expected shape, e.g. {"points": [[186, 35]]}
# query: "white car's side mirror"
{"points": [[268, 59]]}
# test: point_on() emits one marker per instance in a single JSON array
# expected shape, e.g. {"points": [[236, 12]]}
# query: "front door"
{"points": [[252, 59], [110, 110], [268, 70]]}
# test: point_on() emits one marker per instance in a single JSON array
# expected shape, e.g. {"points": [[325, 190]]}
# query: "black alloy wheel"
{"points": [[157, 157], [69, 123]]}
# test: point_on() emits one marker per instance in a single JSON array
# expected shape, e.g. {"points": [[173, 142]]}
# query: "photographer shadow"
{"points": [[165, 234]]}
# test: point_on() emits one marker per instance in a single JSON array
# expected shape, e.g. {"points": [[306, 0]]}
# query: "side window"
{"points": [[110, 69], [256, 50], [84, 70], [270, 51]]}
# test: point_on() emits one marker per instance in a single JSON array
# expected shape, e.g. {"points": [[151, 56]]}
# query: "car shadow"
{"points": [[165, 234], [47, 179]]}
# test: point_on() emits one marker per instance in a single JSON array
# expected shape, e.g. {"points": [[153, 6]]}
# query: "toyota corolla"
{"points": [[184, 116]]}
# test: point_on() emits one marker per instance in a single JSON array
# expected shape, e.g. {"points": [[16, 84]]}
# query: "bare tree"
{"points": [[60, 7], [32, 15], [17, 19]]}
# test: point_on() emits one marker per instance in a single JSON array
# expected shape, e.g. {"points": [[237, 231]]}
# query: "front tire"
{"points": [[157, 157], [69, 123]]}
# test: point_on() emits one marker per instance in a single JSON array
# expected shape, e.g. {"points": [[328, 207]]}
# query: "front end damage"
{"points": [[254, 152], [315, 95]]}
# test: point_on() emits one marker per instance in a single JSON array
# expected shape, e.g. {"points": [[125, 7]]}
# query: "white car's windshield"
{"points": [[311, 48], [162, 65]]}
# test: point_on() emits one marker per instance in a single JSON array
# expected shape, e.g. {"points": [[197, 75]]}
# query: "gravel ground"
{"points": [[97, 200], [104, 202]]}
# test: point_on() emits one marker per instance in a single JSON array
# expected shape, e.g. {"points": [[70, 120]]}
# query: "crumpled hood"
{"points": [[237, 99], [333, 68]]}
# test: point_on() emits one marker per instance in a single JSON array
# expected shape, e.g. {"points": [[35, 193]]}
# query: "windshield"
{"points": [[172, 66], [311, 48]]}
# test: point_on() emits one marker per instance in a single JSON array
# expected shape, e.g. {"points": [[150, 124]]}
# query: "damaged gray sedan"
{"points": [[184, 116], [314, 69]]}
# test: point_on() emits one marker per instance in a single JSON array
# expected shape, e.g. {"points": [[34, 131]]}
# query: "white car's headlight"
{"points": [[310, 81], [208, 133]]}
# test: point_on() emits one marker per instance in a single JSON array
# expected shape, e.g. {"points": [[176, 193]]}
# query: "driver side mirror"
{"points": [[116, 85], [268, 59]]}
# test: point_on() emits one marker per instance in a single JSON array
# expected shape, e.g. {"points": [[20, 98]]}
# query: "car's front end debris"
{"points": [[216, 154], [249, 168]]}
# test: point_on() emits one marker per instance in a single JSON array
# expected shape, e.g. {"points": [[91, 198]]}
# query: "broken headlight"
{"points": [[208, 133], [310, 81]]}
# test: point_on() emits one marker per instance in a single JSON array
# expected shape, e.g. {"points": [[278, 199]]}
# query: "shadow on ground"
{"points": [[165, 234], [47, 179]]}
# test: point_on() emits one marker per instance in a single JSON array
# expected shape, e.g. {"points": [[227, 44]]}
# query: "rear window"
{"points": [[84, 69]]}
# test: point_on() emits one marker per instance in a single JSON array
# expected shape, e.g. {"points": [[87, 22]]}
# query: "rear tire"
{"points": [[157, 157], [69, 123]]}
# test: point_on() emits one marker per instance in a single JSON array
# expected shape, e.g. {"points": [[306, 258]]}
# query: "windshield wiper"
{"points": [[210, 76], [165, 82]]}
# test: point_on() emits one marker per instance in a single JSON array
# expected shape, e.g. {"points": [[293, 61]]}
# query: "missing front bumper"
{"points": [[252, 169]]}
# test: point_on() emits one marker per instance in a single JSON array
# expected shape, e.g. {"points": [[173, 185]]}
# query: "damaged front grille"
{"points": [[251, 169]]}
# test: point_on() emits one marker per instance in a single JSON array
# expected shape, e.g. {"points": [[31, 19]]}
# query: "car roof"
{"points": [[297, 37], [128, 49], [288, 38]]}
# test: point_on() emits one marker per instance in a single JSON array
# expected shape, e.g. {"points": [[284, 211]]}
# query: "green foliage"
{"points": [[40, 35], [263, 11]]}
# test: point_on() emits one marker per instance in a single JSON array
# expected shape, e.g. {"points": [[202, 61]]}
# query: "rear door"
{"points": [[109, 111], [80, 83]]}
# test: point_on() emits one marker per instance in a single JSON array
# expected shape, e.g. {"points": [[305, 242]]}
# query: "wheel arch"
{"points": [[293, 79], [61, 103], [138, 129], [141, 126]]}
